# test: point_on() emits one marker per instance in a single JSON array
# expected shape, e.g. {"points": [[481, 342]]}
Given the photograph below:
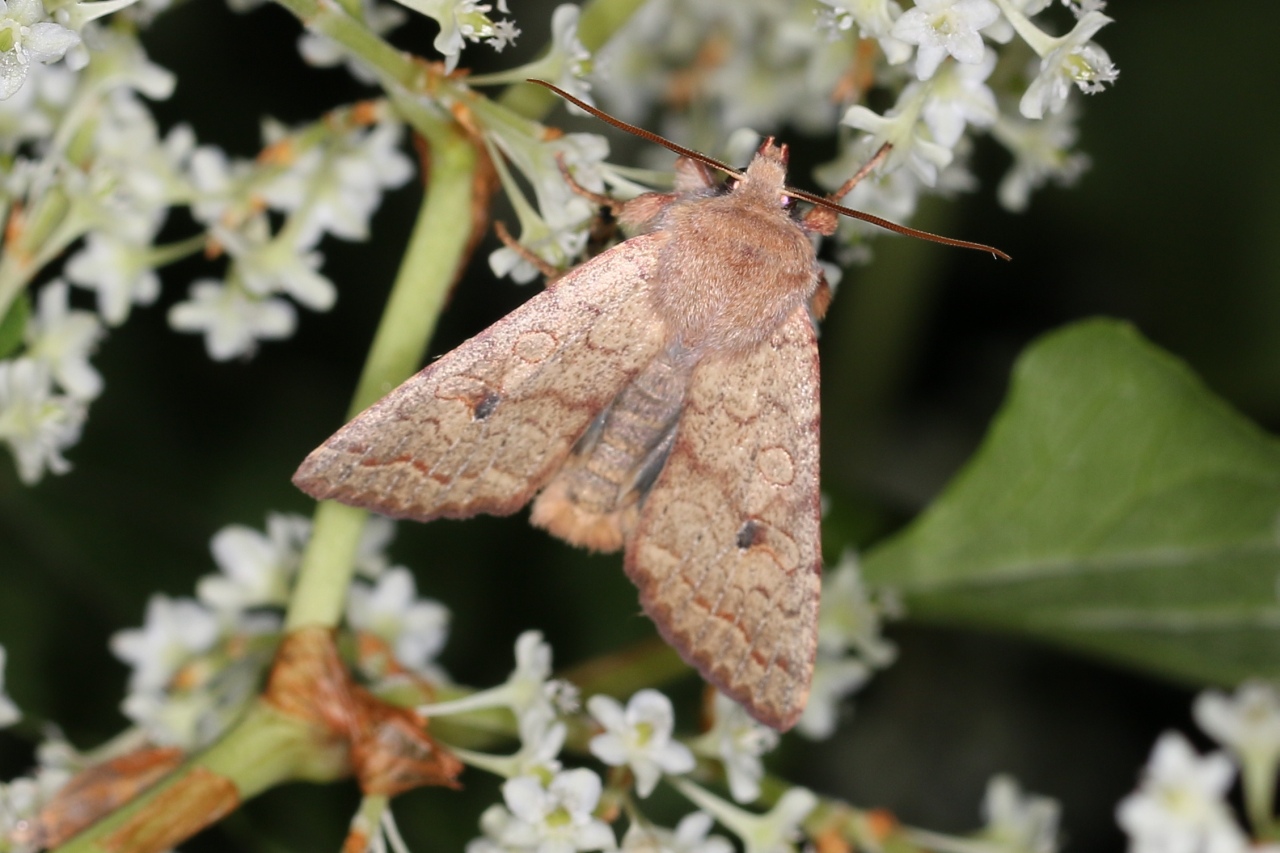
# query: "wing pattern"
{"points": [[484, 427], [727, 551]]}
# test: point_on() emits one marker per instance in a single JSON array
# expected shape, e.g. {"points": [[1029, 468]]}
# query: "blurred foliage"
{"points": [[1115, 506], [918, 352]]}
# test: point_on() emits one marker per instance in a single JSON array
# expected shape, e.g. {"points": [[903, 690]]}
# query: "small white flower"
{"points": [[689, 836], [556, 818], [256, 570], [35, 423], [528, 687], [21, 800], [62, 339], [1073, 59], [903, 127], [217, 183], [28, 35], [775, 831], [267, 265], [942, 27], [1041, 152], [371, 553], [493, 822], [118, 270], [850, 619], [9, 713], [232, 321], [574, 60], [123, 63], [414, 628], [1247, 723], [959, 96], [640, 737], [892, 195], [168, 718], [175, 630], [505, 33], [541, 739], [833, 680], [531, 682], [336, 188], [137, 174], [738, 742], [33, 111], [875, 19], [565, 64], [460, 21], [1019, 822], [1180, 805]]}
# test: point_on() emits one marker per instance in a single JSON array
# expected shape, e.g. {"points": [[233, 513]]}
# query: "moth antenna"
{"points": [[794, 193], [895, 227], [647, 135]]}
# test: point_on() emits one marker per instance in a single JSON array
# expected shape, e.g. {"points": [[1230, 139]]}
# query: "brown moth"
{"points": [[661, 398]]}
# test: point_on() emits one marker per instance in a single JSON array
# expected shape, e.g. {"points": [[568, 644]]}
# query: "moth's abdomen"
{"points": [[591, 501]]}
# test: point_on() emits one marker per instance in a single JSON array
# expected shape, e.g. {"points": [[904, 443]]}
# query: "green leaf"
{"points": [[1116, 506], [14, 324]]}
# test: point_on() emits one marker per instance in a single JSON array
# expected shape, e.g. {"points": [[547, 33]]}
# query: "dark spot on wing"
{"points": [[485, 407], [749, 534]]}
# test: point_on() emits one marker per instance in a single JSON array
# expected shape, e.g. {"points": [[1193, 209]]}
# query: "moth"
{"points": [[661, 399]]}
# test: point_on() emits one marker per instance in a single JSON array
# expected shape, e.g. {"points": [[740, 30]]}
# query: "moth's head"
{"points": [[766, 177]]}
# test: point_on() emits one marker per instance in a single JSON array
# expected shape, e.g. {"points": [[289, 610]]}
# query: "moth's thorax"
{"points": [[732, 266]]}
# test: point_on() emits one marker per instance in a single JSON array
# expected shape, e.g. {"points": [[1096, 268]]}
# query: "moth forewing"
{"points": [[727, 549], [484, 427]]}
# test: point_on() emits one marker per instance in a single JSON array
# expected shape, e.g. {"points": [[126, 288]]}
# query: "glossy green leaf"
{"points": [[1116, 506]]}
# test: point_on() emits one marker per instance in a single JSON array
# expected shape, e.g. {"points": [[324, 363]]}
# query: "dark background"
{"points": [[1172, 229]]}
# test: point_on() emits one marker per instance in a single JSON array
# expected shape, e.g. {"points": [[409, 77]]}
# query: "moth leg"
{"points": [[821, 299], [598, 199], [639, 215], [551, 271], [822, 220]]}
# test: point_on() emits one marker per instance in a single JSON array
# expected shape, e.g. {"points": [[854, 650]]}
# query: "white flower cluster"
{"points": [[86, 144], [766, 65], [1181, 804], [83, 161], [197, 661], [463, 21], [546, 807], [555, 227], [326, 177]]}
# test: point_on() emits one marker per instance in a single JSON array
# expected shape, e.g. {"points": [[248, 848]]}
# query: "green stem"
{"points": [[431, 263], [263, 750], [1259, 781], [395, 67]]}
